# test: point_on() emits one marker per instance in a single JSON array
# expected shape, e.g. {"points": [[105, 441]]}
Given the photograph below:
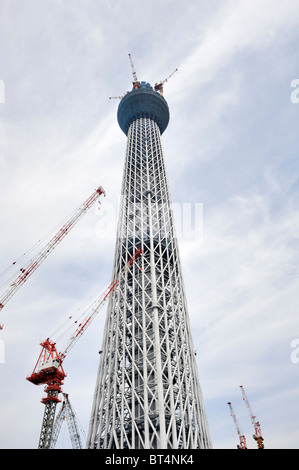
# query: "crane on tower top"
{"points": [[34, 263], [49, 366], [242, 438], [257, 436], [136, 83], [159, 86]]}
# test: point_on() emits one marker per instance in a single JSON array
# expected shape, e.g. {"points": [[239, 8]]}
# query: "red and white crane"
{"points": [[136, 83], [159, 86], [257, 436], [28, 270], [242, 438], [49, 366]]}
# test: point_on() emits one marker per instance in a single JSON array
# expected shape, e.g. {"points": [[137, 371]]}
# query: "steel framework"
{"points": [[147, 394], [66, 412]]}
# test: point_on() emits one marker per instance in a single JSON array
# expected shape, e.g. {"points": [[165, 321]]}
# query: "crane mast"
{"points": [[136, 83], [66, 412], [26, 272], [242, 438], [49, 370], [257, 436], [58, 423]]}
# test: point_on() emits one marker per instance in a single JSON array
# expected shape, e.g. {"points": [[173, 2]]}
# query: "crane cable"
{"points": [[72, 320], [17, 263]]}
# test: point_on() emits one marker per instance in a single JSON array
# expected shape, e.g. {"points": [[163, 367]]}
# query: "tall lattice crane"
{"points": [[27, 271], [242, 438], [257, 436], [49, 366], [67, 413]]}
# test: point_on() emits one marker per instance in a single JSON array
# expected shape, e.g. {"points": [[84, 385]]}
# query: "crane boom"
{"points": [[159, 86], [257, 436], [48, 369], [242, 438], [26, 272], [99, 304], [136, 83]]}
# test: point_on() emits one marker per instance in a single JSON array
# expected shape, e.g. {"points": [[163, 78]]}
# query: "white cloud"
{"points": [[242, 288], [231, 145], [237, 27]]}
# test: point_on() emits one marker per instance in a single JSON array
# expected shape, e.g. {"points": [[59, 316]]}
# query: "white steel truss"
{"points": [[147, 394]]}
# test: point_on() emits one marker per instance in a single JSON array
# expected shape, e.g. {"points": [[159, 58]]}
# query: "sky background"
{"points": [[231, 146]]}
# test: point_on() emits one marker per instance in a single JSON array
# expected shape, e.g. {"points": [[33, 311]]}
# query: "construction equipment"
{"points": [[257, 436], [26, 272], [159, 86], [49, 370], [242, 438], [66, 413], [136, 83], [117, 97]]}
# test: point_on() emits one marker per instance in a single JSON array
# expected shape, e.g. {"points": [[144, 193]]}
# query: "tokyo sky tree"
{"points": [[147, 393]]}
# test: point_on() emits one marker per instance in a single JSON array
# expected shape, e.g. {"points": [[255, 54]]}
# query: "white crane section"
{"points": [[67, 413], [26, 272]]}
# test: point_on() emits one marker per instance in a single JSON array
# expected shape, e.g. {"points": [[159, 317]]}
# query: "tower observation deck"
{"points": [[143, 103], [147, 393]]}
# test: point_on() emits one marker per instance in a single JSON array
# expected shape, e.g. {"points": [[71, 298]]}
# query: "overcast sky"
{"points": [[231, 147]]}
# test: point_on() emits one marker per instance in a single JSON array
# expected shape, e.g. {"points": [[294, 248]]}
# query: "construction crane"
{"points": [[66, 413], [159, 86], [136, 83], [118, 97], [27, 271], [257, 436], [242, 438], [49, 370]]}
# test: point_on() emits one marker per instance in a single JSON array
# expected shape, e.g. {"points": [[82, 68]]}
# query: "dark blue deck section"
{"points": [[143, 102]]}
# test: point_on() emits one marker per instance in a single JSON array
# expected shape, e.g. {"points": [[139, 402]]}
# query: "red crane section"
{"points": [[26, 272], [136, 83], [48, 366], [159, 86], [242, 438], [101, 301], [257, 436]]}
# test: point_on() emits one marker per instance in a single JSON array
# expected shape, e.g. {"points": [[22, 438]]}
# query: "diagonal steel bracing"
{"points": [[147, 393]]}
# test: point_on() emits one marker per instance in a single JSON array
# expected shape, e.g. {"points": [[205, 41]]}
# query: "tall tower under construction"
{"points": [[147, 393]]}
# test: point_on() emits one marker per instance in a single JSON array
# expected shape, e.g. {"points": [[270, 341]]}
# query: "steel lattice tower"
{"points": [[147, 393]]}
